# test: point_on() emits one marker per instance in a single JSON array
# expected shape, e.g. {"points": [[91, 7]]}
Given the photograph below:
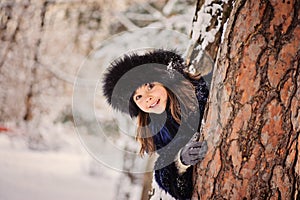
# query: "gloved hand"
{"points": [[193, 152]]}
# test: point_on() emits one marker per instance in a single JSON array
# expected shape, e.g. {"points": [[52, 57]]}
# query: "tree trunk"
{"points": [[206, 34], [218, 12], [253, 121]]}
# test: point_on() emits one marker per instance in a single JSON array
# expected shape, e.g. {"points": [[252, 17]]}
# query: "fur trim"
{"points": [[121, 74], [158, 192], [180, 166]]}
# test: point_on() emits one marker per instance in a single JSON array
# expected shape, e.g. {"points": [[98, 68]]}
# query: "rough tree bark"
{"points": [[253, 121]]}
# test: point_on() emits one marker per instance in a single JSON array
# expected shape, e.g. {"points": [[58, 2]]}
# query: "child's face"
{"points": [[151, 98]]}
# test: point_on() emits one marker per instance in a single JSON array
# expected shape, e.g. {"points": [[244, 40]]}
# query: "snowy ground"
{"points": [[67, 174]]}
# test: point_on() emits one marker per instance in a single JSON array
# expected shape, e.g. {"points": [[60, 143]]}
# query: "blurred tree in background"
{"points": [[44, 42]]}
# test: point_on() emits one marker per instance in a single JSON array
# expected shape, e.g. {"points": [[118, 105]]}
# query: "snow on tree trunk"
{"points": [[207, 28], [252, 121]]}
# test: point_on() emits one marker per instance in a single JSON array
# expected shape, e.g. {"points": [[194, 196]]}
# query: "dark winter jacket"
{"points": [[180, 186]]}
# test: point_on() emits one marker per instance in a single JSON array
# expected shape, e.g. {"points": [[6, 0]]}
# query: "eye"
{"points": [[137, 97], [149, 86]]}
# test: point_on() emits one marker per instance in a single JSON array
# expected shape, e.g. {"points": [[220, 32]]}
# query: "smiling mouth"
{"points": [[154, 104]]}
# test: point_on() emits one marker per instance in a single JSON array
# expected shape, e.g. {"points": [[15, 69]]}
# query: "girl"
{"points": [[169, 106]]}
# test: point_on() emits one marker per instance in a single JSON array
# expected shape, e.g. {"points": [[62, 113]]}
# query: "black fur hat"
{"points": [[128, 73]]}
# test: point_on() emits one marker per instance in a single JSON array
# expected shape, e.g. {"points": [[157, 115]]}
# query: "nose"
{"points": [[148, 98]]}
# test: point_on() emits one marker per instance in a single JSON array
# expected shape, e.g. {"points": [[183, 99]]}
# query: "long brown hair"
{"points": [[144, 135]]}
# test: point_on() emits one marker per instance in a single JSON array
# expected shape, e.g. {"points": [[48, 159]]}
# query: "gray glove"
{"points": [[193, 152]]}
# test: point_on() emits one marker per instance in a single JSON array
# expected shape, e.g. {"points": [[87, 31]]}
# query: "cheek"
{"points": [[141, 106], [138, 104]]}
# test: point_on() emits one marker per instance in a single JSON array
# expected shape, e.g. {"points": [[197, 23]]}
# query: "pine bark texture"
{"points": [[253, 121]]}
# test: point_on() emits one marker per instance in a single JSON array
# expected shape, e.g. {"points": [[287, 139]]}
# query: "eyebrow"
{"points": [[134, 93]]}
